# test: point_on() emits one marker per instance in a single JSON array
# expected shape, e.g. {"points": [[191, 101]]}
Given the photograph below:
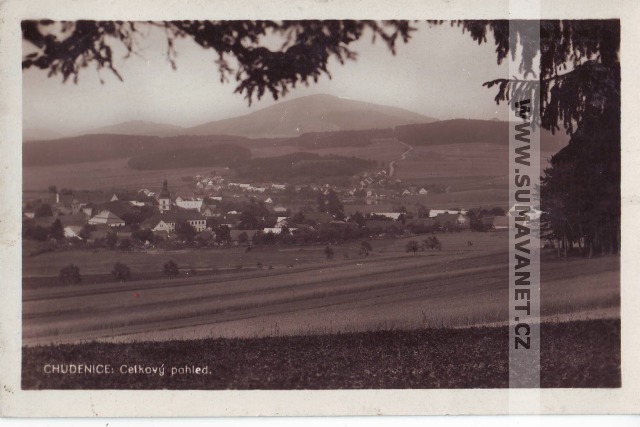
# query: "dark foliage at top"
{"points": [[579, 89], [68, 47]]}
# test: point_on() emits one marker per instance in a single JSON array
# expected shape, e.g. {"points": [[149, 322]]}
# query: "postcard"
{"points": [[318, 208]]}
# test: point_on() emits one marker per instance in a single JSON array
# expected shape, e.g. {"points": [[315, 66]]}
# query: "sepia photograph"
{"points": [[320, 204]]}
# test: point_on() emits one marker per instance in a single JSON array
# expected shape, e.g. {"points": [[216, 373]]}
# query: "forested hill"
{"points": [[459, 131], [92, 148]]}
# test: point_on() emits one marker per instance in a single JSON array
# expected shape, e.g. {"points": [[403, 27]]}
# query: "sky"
{"points": [[439, 73]]}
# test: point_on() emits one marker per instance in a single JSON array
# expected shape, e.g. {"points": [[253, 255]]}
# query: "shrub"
{"points": [[171, 269], [70, 274], [125, 245], [121, 272], [328, 251], [412, 246]]}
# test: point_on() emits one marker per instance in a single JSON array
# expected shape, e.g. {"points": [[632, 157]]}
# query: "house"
{"points": [[496, 223], [278, 187], [166, 221], [189, 204], [281, 221], [146, 193], [120, 208], [72, 225], [449, 220], [73, 232], [435, 212], [277, 230], [208, 211], [108, 218], [406, 192], [423, 191], [279, 209], [269, 200]]}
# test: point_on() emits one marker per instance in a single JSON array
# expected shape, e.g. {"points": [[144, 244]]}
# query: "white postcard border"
{"points": [[159, 403]]}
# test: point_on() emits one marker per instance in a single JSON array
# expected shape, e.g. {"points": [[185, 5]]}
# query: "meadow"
{"points": [[573, 354], [107, 175], [459, 286], [116, 173]]}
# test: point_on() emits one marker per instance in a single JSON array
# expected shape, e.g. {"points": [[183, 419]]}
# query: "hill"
{"points": [[93, 148], [301, 167], [345, 138], [460, 131], [211, 155], [314, 113], [139, 127]]}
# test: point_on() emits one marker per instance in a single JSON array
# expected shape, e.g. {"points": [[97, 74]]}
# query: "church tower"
{"points": [[164, 199]]}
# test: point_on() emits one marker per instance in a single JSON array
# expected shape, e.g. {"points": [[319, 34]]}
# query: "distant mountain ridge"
{"points": [[294, 117], [461, 131], [313, 113], [138, 127], [98, 147]]}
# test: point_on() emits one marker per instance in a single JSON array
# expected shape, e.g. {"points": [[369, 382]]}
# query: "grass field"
{"points": [[461, 160], [109, 174], [106, 175], [390, 289], [573, 354]]}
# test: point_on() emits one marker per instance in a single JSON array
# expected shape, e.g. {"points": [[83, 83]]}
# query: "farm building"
{"points": [[435, 212], [166, 221], [189, 204], [448, 220], [108, 218], [496, 223]]}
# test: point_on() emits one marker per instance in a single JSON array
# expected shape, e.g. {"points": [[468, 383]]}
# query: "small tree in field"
{"points": [[412, 246], [328, 251], [57, 230], [112, 240], [121, 272], [243, 238], [365, 248], [171, 269], [70, 275], [125, 245]]}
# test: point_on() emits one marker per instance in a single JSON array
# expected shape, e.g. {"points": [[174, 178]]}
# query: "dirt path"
{"points": [[403, 156]]}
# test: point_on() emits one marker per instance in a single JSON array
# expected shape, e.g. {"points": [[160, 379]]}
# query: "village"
{"points": [[217, 212]]}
